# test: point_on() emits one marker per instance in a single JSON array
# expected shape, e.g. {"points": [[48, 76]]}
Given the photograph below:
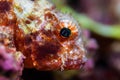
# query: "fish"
{"points": [[48, 38]]}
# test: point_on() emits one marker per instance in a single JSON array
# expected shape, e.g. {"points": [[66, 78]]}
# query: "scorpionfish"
{"points": [[49, 39]]}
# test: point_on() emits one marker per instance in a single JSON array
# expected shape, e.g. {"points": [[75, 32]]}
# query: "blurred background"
{"points": [[100, 21]]}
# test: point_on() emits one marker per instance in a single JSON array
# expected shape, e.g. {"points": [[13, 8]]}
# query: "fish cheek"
{"points": [[46, 56], [46, 49], [41, 50]]}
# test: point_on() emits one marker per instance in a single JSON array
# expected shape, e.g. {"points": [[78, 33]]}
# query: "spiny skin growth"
{"points": [[49, 39]]}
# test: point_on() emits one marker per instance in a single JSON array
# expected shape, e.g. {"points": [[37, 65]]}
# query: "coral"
{"points": [[11, 64]]}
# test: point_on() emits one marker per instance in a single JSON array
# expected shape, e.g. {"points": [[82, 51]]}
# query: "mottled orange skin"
{"points": [[44, 48], [43, 54], [7, 24]]}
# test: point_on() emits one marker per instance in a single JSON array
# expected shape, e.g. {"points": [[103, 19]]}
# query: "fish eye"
{"points": [[65, 32]]}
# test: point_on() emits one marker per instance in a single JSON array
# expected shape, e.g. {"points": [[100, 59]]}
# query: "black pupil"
{"points": [[65, 32]]}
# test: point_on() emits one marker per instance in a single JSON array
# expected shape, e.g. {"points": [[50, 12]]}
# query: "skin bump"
{"points": [[4, 6]]}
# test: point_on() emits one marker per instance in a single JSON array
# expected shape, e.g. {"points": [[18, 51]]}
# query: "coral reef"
{"points": [[11, 64]]}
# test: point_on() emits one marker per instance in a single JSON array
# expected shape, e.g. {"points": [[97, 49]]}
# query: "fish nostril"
{"points": [[65, 32]]}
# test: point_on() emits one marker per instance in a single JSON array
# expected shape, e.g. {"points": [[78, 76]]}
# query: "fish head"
{"points": [[49, 39]]}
